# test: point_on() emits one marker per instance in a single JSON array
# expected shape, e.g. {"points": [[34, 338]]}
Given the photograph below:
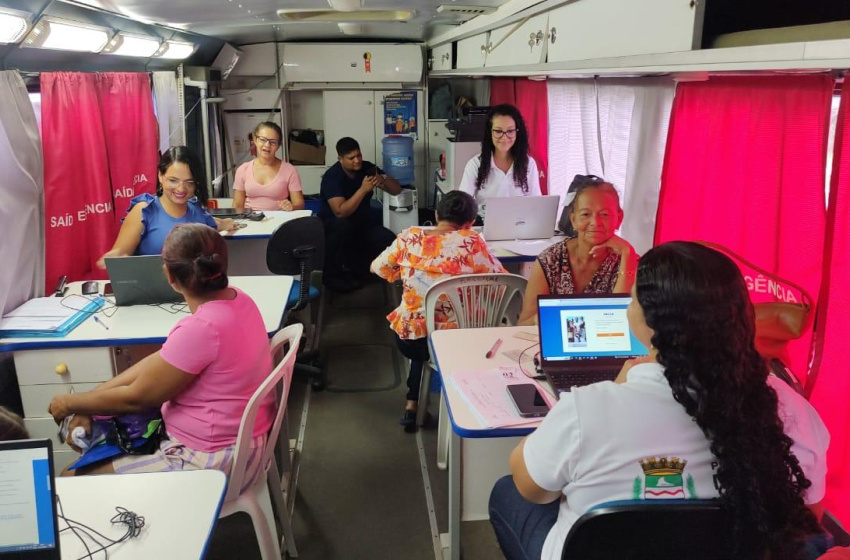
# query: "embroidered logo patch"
{"points": [[663, 479]]}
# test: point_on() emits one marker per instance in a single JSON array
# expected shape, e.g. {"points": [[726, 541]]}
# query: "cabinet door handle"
{"points": [[553, 34]]}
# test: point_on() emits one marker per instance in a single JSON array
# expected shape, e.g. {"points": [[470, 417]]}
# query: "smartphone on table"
{"points": [[528, 400]]}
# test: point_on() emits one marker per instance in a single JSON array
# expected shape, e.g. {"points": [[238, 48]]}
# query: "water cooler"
{"points": [[402, 210]]}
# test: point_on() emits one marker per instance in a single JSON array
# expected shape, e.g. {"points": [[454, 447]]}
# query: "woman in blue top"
{"points": [[181, 198]]}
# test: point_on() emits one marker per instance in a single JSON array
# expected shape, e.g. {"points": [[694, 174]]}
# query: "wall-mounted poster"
{"points": [[400, 113]]}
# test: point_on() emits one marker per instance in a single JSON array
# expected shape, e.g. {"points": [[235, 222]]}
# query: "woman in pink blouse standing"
{"points": [[267, 182]]}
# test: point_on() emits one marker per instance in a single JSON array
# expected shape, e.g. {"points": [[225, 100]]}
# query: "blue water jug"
{"points": [[398, 158]]}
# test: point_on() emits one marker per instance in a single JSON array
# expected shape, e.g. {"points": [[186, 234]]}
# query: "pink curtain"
{"points": [[132, 135], [533, 103], [830, 379], [744, 168], [79, 213]]}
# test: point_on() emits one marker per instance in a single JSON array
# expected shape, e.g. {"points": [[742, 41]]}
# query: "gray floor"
{"points": [[360, 489]]}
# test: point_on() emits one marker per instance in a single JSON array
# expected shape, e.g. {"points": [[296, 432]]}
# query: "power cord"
{"points": [[536, 363], [133, 521]]}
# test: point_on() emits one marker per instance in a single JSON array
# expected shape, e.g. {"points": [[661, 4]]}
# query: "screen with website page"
{"points": [[585, 328], [26, 500]]}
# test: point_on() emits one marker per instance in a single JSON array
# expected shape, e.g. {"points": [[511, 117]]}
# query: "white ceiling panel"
{"points": [[251, 21]]}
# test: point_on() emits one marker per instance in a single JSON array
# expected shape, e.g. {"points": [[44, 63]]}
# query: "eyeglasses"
{"points": [[174, 182], [269, 141], [510, 133]]}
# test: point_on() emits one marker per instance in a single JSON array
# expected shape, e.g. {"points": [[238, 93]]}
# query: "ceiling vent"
{"points": [[334, 16], [463, 13]]}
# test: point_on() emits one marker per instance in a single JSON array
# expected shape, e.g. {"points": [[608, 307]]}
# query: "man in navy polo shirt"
{"points": [[353, 235]]}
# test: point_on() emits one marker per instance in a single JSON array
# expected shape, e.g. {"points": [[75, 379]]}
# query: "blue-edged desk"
{"points": [[478, 455], [522, 250], [246, 248], [91, 353], [180, 510]]}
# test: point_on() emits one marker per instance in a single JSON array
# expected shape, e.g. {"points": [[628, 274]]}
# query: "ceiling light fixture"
{"points": [[175, 50], [132, 45], [13, 25], [66, 35]]}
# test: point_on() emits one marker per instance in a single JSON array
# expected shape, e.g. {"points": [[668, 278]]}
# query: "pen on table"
{"points": [[494, 349], [101, 323]]}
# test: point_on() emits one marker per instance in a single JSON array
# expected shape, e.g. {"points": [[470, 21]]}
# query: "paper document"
{"points": [[46, 313], [486, 394], [527, 247]]}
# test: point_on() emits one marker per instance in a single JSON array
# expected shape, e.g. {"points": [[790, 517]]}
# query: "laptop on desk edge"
{"points": [[33, 533], [520, 217], [140, 280], [584, 338]]}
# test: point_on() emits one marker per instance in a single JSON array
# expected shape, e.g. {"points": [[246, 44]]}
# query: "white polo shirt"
{"points": [[498, 183], [607, 442]]}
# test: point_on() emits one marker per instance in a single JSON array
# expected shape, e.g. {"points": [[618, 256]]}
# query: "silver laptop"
{"points": [[29, 527], [584, 338], [521, 217], [140, 280]]}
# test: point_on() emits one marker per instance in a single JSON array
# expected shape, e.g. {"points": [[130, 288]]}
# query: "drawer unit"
{"points": [[63, 365], [36, 398]]}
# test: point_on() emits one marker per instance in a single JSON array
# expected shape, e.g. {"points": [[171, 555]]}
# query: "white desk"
{"points": [[478, 455], [246, 248], [91, 354], [521, 250], [180, 510]]}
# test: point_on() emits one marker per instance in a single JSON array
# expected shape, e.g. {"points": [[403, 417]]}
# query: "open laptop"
{"points": [[584, 338], [29, 527], [140, 280], [225, 213], [520, 217]]}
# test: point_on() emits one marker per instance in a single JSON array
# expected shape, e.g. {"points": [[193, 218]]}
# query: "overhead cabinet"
{"points": [[523, 42], [472, 51], [441, 57]]}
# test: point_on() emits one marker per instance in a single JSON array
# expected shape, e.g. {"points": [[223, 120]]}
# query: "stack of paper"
{"points": [[486, 394], [48, 317]]}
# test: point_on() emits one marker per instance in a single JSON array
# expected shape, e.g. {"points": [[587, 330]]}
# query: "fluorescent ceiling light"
{"points": [[132, 45], [175, 50], [65, 35], [13, 26], [298, 14]]}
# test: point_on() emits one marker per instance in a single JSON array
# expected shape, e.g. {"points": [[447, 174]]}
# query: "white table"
{"points": [[478, 455], [246, 248], [91, 354], [180, 510], [521, 250]]}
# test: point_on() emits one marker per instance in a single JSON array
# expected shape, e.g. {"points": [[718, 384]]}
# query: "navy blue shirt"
{"points": [[336, 183]]}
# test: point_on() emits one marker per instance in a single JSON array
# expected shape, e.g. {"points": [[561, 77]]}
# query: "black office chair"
{"points": [[297, 247]]}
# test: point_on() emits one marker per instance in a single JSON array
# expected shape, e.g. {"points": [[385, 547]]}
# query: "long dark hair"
{"points": [[196, 257], [519, 151], [182, 154], [696, 301]]}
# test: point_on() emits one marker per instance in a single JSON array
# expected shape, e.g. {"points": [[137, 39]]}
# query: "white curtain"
{"points": [[167, 108], [616, 129], [22, 193]]}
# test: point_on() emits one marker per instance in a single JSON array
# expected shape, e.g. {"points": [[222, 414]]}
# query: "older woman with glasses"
{"points": [[267, 182], [504, 167], [181, 198]]}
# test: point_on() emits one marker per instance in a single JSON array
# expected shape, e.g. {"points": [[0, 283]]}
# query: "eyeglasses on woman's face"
{"points": [[499, 133], [263, 140], [174, 182]]}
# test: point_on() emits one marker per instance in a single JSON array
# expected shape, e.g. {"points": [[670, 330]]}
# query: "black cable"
{"points": [[134, 524], [522, 369]]}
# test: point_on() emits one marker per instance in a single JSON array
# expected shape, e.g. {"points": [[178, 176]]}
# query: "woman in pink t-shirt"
{"points": [[201, 378], [267, 182]]}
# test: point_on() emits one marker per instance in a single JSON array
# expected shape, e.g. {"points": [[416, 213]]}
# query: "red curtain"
{"points": [[744, 168], [132, 136], [79, 213], [830, 381], [531, 98]]}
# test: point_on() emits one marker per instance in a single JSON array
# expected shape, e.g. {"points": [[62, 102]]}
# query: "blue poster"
{"points": [[400, 113]]}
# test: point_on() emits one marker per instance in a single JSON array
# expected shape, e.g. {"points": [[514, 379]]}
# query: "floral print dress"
{"points": [[419, 261]]}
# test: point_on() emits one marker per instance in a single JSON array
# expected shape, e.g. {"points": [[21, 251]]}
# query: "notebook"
{"points": [[140, 280], [584, 338], [48, 317], [521, 217], [29, 527]]}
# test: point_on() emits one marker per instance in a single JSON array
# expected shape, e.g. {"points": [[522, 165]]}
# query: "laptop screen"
{"points": [[583, 327], [27, 499]]}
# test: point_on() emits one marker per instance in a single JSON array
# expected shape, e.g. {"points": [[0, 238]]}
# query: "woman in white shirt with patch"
{"points": [[699, 417], [504, 166]]}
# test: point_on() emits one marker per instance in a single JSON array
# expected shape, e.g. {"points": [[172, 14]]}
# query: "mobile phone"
{"points": [[107, 290], [528, 400]]}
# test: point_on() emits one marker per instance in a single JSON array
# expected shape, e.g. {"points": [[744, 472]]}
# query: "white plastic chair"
{"points": [[256, 500], [478, 301]]}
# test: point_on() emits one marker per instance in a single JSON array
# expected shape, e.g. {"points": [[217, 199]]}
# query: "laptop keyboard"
{"points": [[565, 379]]}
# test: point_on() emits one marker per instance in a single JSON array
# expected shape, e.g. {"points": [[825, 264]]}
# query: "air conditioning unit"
{"points": [[351, 63]]}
